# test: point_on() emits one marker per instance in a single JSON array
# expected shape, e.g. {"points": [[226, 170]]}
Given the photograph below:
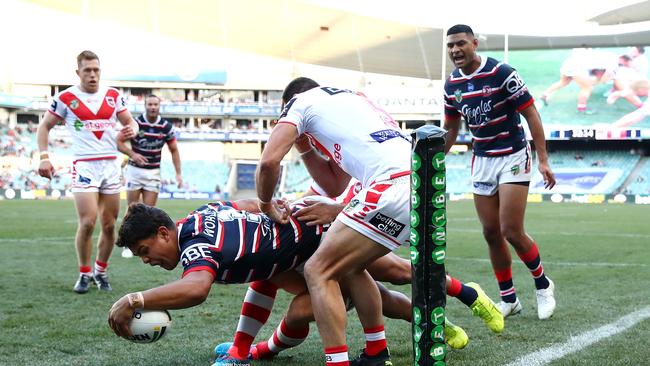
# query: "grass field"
{"points": [[541, 68], [598, 256]]}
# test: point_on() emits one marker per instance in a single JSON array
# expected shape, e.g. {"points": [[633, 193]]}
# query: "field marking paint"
{"points": [[594, 264], [581, 341], [568, 233]]}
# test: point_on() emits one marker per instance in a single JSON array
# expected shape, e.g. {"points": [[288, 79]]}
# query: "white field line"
{"points": [[554, 263], [583, 340]]}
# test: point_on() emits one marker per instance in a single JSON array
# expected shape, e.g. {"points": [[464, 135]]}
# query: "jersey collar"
{"points": [[478, 69]]}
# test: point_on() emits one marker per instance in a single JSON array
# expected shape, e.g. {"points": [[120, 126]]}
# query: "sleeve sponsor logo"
{"points": [[385, 135], [195, 252], [514, 83]]}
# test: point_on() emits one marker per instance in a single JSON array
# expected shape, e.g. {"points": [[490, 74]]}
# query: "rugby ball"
{"points": [[148, 326]]}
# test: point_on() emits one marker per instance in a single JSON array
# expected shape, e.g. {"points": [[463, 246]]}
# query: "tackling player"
{"points": [[490, 96], [91, 113], [364, 142]]}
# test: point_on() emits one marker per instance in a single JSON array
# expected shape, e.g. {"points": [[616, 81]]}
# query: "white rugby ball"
{"points": [[148, 326]]}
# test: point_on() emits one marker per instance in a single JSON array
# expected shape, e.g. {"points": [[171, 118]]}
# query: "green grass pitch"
{"points": [[598, 256]]}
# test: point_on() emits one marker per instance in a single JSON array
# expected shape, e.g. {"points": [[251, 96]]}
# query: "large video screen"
{"points": [[587, 87]]}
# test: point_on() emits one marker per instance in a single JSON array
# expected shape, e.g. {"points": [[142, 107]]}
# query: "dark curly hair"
{"points": [[141, 222]]}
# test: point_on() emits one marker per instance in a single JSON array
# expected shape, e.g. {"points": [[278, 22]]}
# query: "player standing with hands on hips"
{"points": [[91, 114], [490, 96]]}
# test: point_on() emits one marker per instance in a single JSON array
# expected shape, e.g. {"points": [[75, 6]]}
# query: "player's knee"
{"points": [[317, 272], [513, 233], [87, 224], [108, 229], [491, 234]]}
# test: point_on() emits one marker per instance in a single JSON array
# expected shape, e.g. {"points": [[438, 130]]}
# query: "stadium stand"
{"points": [[641, 183], [297, 179]]}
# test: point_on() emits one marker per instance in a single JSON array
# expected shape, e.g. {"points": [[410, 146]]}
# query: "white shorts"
{"points": [[381, 212], [101, 176], [139, 178], [490, 171]]}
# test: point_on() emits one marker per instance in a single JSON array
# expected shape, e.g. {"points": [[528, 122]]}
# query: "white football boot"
{"points": [[509, 308], [546, 301]]}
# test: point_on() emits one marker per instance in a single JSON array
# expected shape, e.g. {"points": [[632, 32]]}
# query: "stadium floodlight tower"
{"points": [[428, 237]]}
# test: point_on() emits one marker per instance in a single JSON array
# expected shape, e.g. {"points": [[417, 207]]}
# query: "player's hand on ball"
{"points": [[119, 316]]}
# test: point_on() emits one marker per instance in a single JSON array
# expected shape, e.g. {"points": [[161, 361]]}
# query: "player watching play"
{"points": [[143, 170], [91, 114], [490, 96]]}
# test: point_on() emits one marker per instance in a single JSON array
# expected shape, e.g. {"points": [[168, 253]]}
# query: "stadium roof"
{"points": [[637, 12], [362, 35]]}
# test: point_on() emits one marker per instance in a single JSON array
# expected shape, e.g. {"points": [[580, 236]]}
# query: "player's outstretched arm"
{"points": [[189, 291]]}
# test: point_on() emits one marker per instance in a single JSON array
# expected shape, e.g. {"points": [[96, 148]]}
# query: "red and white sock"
{"points": [[85, 270], [100, 267], [337, 356], [283, 337], [375, 340], [254, 313]]}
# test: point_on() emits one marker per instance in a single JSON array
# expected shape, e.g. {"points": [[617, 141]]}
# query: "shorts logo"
{"points": [[387, 225], [458, 95], [110, 101], [515, 170], [83, 179], [74, 104], [483, 186]]}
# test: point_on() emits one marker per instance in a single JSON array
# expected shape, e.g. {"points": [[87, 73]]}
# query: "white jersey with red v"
{"points": [[361, 138], [91, 119]]}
